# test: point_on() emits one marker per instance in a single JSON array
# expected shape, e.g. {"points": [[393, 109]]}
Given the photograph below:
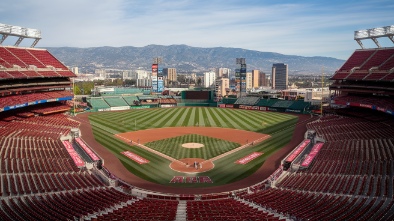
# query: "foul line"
{"points": [[266, 136], [134, 143], [150, 150], [250, 144]]}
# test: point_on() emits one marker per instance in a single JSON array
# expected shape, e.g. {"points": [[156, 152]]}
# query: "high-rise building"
{"points": [[262, 79], [127, 75], [170, 74], [249, 81], [144, 82], [75, 70], [193, 77], [142, 77], [100, 73], [139, 74], [255, 78], [223, 73], [280, 76], [222, 86], [209, 79]]}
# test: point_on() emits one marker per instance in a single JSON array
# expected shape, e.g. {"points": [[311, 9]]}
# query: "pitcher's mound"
{"points": [[192, 165], [192, 145]]}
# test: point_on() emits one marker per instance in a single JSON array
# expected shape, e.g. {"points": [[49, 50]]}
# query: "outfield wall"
{"points": [[261, 108], [204, 103], [196, 104]]}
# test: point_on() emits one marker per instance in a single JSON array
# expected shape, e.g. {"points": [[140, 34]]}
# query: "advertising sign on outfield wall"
{"points": [[246, 107], [263, 108], [272, 109], [104, 109], [293, 111], [120, 108], [167, 105], [140, 107]]}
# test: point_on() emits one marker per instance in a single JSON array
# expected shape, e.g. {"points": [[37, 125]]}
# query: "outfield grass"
{"points": [[279, 126], [173, 146]]}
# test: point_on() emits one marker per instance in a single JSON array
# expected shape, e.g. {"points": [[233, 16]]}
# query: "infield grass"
{"points": [[173, 146]]}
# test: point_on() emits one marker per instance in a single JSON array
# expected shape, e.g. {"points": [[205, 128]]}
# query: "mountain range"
{"points": [[188, 59]]}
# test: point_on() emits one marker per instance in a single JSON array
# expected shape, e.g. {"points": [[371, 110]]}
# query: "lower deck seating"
{"points": [[146, 209], [39, 180], [61, 205], [319, 206], [225, 209]]}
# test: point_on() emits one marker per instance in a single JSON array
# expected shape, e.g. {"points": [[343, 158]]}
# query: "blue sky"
{"points": [[307, 28]]}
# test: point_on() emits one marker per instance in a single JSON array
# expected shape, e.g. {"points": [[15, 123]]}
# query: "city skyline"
{"points": [[306, 28]]}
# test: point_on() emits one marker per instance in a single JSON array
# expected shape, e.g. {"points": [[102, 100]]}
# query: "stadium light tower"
{"points": [[321, 101], [374, 34], [22, 33], [242, 73]]}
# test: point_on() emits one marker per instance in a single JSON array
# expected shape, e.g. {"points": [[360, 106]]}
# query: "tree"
{"points": [[129, 82], [181, 78], [87, 87], [119, 82], [77, 90], [84, 88]]}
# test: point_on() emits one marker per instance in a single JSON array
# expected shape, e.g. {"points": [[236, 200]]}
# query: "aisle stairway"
{"points": [[181, 212]]}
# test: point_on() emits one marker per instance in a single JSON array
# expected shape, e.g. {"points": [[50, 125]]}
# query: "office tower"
{"points": [[280, 76], [262, 79], [255, 78], [249, 81], [170, 74], [222, 85], [223, 73], [75, 70], [209, 79]]}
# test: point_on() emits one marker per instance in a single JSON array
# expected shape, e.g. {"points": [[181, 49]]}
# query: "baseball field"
{"points": [[193, 146]]}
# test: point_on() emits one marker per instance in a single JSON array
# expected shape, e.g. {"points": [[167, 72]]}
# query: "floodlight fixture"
{"points": [[21, 32], [241, 74], [373, 34], [157, 60], [240, 61]]}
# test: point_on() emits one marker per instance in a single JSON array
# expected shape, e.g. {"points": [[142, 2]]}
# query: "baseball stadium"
{"points": [[192, 157]]}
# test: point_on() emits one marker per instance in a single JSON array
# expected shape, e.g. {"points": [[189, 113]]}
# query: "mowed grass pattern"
{"points": [[279, 126], [173, 146]]}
